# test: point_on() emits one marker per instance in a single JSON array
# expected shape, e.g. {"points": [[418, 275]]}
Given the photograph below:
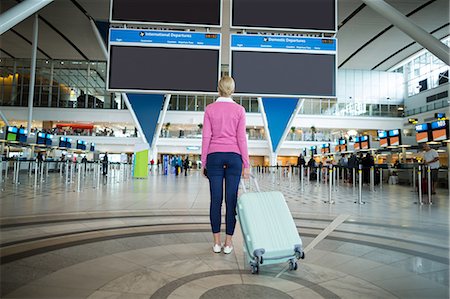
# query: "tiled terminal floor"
{"points": [[151, 239]]}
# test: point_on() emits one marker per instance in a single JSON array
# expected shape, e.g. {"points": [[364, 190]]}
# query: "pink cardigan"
{"points": [[224, 130]]}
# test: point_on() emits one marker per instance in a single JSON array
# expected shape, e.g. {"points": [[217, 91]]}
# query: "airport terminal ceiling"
{"points": [[366, 40]]}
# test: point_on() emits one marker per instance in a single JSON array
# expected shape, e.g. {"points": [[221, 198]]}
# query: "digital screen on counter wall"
{"points": [[395, 138], [364, 142], [440, 130], [422, 133]]}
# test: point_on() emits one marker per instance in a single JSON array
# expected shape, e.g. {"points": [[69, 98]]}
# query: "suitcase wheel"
{"points": [[255, 269], [293, 265]]}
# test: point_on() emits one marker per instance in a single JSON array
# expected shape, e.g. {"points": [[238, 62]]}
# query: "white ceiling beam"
{"points": [[20, 12]]}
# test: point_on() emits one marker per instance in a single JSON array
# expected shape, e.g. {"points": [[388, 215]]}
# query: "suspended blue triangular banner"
{"points": [[278, 112], [147, 107]]}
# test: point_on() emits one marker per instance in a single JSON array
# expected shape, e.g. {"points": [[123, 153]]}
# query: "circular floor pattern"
{"points": [[244, 291]]}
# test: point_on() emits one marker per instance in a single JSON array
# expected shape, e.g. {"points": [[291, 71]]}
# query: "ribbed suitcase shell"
{"points": [[267, 224]]}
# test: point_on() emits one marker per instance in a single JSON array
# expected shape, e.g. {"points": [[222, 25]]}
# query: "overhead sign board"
{"points": [[307, 65], [163, 61]]}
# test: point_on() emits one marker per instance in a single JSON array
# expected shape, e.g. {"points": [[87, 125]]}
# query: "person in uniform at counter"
{"points": [[431, 159]]}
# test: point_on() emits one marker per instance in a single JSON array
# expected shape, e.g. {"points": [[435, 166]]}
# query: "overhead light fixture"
{"points": [[400, 108]]}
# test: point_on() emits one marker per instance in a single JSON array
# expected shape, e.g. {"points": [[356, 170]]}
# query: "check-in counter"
{"points": [[404, 172]]}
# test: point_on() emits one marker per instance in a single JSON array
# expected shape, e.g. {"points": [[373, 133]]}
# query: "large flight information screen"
{"points": [[180, 12], [283, 65], [307, 15], [153, 61]]}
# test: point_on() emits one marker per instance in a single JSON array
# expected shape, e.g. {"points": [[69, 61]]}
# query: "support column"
{"points": [[86, 91], [273, 159], [50, 87], [32, 73], [14, 83], [3, 117], [448, 164], [20, 12], [266, 128], [403, 155], [418, 34], [162, 116]]}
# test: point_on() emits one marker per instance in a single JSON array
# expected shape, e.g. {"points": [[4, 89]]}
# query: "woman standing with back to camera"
{"points": [[224, 152]]}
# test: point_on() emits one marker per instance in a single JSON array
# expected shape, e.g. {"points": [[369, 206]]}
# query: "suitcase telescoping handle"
{"points": [[252, 177]]}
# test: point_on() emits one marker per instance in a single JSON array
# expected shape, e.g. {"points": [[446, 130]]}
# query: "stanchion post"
{"points": [[36, 173], [381, 177], [360, 183], [71, 173], [429, 185], [330, 185], [6, 170], [1, 170], [419, 177], [18, 171], [99, 172], [94, 173], [372, 178], [308, 169], [302, 183], [414, 179], [14, 172], [67, 172], [338, 172], [42, 171], [354, 177], [79, 177]]}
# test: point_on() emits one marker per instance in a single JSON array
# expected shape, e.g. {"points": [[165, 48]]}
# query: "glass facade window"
{"points": [[59, 83], [424, 71]]}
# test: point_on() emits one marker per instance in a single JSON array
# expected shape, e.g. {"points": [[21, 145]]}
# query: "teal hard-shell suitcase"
{"points": [[270, 233]]}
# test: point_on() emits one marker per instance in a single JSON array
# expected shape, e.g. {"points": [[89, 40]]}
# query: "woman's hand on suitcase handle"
{"points": [[246, 173]]}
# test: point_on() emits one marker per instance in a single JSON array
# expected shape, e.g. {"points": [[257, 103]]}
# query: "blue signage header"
{"points": [[283, 42], [393, 133], [422, 127], [163, 37], [382, 134], [440, 124]]}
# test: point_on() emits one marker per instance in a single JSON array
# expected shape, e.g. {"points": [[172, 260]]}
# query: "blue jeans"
{"points": [[220, 167]]}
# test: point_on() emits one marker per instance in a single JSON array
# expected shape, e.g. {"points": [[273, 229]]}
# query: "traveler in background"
{"points": [[105, 164], [352, 164], [84, 161], [40, 158], [186, 165], [431, 159], [343, 163], [224, 153]]}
